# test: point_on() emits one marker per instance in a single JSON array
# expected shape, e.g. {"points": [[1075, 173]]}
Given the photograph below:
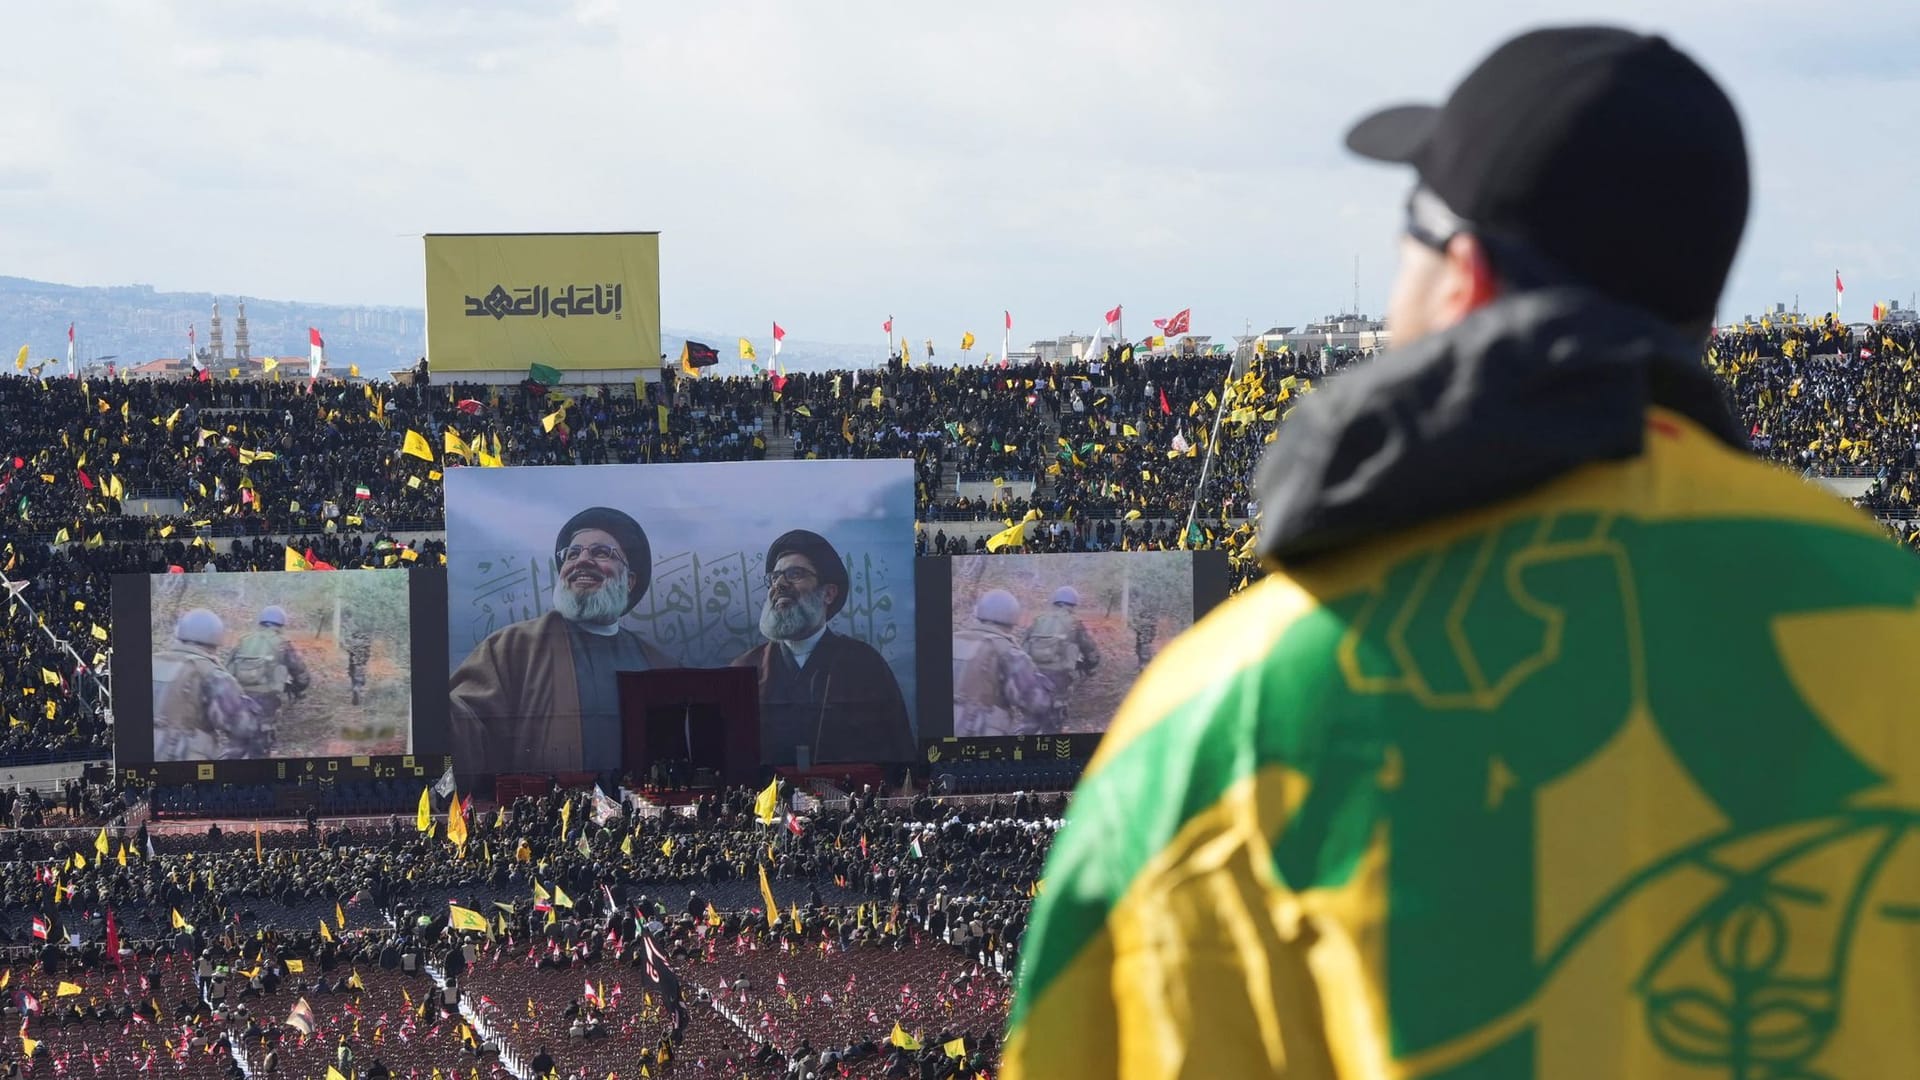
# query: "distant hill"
{"points": [[137, 323]]}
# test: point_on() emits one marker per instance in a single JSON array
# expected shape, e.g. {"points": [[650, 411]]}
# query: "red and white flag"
{"points": [[316, 347], [1838, 286], [69, 346], [1113, 317], [39, 928], [1009, 320], [888, 325], [779, 335], [1179, 324]]}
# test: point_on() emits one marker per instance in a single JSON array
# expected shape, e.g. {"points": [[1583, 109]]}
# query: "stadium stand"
{"points": [[229, 474], [898, 912]]}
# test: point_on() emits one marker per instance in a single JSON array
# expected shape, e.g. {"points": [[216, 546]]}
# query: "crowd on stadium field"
{"points": [[1113, 450], [561, 875]]}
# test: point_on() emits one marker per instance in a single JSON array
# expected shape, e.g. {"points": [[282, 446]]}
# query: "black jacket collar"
{"points": [[1520, 392]]}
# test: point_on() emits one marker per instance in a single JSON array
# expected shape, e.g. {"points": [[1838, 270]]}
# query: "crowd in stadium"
{"points": [[1114, 449], [567, 884]]}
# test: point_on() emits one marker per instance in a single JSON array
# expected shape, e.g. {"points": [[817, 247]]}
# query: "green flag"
{"points": [[544, 375]]}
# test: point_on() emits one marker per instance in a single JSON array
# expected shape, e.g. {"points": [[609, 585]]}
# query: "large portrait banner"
{"points": [[559, 578]]}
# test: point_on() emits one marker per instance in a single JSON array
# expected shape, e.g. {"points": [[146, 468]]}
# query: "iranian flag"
{"points": [[360, 492]]}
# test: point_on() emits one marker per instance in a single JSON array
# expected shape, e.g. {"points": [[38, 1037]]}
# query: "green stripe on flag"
{"points": [[1125, 814], [544, 375]]}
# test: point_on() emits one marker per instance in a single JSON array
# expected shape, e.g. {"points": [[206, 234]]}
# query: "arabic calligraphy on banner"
{"points": [[544, 302], [572, 301]]}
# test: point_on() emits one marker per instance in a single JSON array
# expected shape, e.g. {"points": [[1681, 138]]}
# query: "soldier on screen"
{"points": [[996, 688], [269, 669], [359, 649], [1062, 649], [1143, 630], [200, 712]]}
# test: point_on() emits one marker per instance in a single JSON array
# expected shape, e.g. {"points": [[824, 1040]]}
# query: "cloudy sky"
{"points": [[829, 163]]}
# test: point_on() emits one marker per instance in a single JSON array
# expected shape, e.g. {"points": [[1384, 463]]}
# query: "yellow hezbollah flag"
{"points": [[423, 817], [901, 1039], [746, 349], [467, 919], [67, 989], [456, 825], [575, 301], [553, 419], [766, 894], [454, 444], [297, 561], [417, 445], [20, 361], [1013, 535], [101, 844], [767, 803]]}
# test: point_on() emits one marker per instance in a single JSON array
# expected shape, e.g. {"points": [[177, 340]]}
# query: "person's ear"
{"points": [[1468, 282], [832, 593]]}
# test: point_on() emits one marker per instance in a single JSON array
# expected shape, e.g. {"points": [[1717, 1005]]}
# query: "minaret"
{"points": [[240, 350], [216, 339]]}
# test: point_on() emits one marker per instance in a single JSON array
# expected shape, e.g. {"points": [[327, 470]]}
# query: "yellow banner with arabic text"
{"points": [[572, 301]]}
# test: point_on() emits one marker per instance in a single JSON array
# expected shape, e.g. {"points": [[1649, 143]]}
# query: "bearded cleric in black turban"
{"points": [[541, 695], [831, 693]]}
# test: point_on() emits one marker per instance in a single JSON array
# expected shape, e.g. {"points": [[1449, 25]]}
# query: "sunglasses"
{"points": [[1430, 222]]}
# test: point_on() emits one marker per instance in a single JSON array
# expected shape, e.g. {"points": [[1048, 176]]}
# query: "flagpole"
{"points": [[1241, 358]]}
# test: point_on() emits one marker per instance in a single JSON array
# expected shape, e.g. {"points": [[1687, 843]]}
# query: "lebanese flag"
{"points": [[1113, 317], [40, 928], [888, 325], [1838, 285], [1179, 324], [780, 335], [1010, 319], [316, 349], [113, 937], [793, 825]]}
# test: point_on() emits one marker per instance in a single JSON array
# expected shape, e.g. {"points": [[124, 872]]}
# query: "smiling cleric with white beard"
{"points": [[829, 692], [540, 695]]}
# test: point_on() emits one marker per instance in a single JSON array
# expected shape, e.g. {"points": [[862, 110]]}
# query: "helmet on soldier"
{"points": [[997, 606], [200, 627], [1065, 594], [273, 615]]}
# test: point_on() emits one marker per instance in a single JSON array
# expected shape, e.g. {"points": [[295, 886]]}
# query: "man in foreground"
{"points": [[541, 695], [1564, 739]]}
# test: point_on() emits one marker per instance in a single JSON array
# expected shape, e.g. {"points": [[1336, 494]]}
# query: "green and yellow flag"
{"points": [[1552, 788], [467, 919]]}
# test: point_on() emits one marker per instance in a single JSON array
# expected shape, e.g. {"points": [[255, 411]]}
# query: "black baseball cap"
{"points": [[1609, 154]]}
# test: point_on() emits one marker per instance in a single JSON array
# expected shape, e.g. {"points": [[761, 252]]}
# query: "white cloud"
{"points": [[828, 164]]}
